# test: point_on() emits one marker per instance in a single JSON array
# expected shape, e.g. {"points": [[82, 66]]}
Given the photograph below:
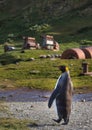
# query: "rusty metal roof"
{"points": [[73, 53], [88, 52]]}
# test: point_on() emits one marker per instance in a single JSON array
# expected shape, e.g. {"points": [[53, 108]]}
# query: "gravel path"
{"points": [[80, 119], [35, 108]]}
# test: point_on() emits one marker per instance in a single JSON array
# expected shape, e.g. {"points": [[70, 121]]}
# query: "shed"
{"points": [[73, 53], [29, 43], [88, 52], [49, 43]]}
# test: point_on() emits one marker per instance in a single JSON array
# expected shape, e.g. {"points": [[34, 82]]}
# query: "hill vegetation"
{"points": [[67, 20]]}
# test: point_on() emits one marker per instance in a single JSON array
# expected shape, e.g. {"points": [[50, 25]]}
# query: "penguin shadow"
{"points": [[35, 125]]}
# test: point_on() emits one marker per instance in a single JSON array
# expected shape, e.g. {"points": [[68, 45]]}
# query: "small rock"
{"points": [[83, 100]]}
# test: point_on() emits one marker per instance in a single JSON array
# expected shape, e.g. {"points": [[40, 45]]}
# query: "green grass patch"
{"points": [[39, 83], [15, 124], [40, 73]]}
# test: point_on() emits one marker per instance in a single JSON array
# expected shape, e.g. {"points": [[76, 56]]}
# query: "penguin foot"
{"points": [[58, 120], [66, 122]]}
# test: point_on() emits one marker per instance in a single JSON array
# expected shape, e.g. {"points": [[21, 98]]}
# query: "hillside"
{"points": [[65, 19]]}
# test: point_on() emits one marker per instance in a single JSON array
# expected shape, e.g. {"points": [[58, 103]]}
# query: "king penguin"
{"points": [[62, 94]]}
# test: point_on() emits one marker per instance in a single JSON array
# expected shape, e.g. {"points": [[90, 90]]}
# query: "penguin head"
{"points": [[63, 68]]}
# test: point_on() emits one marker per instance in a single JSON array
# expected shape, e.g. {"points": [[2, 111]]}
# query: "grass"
{"points": [[15, 124], [18, 71]]}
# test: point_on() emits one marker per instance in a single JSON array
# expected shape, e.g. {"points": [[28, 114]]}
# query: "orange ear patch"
{"points": [[66, 68]]}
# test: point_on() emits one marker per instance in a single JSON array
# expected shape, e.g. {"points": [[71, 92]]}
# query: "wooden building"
{"points": [[49, 43], [29, 43]]}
